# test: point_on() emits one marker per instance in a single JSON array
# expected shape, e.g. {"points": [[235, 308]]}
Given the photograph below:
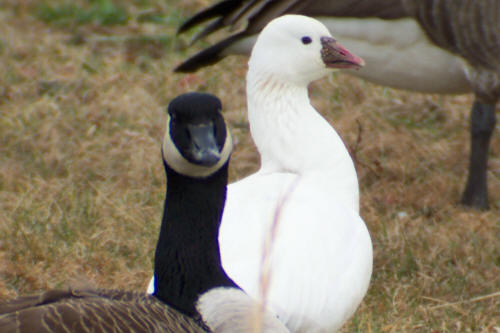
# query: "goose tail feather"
{"points": [[222, 8], [208, 56]]}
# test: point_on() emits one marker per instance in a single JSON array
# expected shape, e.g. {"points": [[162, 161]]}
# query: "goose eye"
{"points": [[306, 40]]}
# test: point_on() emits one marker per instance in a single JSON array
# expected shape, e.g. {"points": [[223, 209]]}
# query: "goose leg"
{"points": [[483, 121]]}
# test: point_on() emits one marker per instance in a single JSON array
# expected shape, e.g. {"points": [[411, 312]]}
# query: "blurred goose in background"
{"points": [[193, 293], [432, 46], [296, 221]]}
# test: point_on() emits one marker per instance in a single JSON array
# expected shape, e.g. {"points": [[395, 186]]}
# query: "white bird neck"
{"points": [[292, 136]]}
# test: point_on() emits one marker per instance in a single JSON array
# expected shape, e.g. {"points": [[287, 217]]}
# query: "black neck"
{"points": [[187, 258]]}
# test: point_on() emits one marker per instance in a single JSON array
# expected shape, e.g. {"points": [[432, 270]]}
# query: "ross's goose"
{"points": [[436, 46], [320, 259], [190, 279]]}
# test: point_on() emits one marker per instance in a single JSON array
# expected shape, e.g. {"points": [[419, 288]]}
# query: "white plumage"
{"points": [[321, 257]]}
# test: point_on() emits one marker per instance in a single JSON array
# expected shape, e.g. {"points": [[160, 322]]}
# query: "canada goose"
{"points": [[321, 255], [434, 46], [189, 276]]}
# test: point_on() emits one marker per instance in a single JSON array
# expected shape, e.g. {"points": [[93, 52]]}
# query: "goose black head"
{"points": [[197, 142]]}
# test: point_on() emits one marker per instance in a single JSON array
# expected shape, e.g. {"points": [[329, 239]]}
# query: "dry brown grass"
{"points": [[82, 184]]}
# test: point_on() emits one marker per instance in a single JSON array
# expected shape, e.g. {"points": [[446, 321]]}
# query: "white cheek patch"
{"points": [[176, 161]]}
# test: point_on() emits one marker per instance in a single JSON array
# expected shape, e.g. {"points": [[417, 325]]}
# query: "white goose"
{"points": [[321, 256], [436, 46]]}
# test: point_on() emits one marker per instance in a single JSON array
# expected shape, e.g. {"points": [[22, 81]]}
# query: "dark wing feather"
{"points": [[222, 8], [470, 28], [92, 310], [252, 15], [208, 56]]}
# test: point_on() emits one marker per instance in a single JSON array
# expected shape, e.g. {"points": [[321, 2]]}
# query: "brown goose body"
{"points": [[105, 311], [469, 28], [435, 46]]}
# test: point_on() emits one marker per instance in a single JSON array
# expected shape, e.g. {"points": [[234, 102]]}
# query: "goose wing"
{"points": [[234, 13], [92, 310]]}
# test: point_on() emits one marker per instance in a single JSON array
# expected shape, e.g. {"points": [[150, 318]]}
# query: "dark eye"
{"points": [[306, 40]]}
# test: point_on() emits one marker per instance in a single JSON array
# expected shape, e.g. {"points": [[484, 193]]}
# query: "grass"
{"points": [[82, 184], [99, 12]]}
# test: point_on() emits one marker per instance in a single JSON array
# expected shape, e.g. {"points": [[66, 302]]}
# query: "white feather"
{"points": [[321, 256]]}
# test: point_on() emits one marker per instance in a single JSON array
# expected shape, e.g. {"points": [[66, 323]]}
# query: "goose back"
{"points": [[384, 9], [57, 311], [470, 28]]}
